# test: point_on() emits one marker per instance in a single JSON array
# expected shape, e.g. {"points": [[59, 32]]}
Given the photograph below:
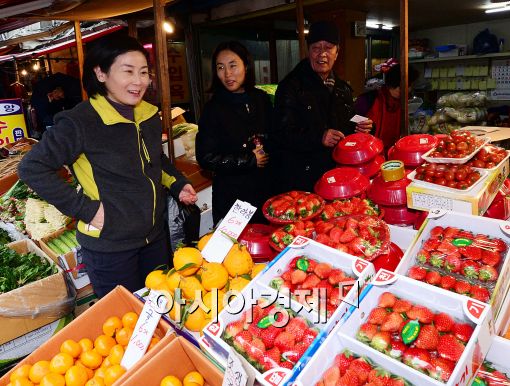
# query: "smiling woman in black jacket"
{"points": [[232, 136]]}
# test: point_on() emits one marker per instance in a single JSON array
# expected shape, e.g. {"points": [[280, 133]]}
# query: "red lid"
{"points": [[399, 215], [357, 148], [256, 239], [341, 183], [390, 260], [497, 208], [416, 143], [389, 193], [370, 168]]}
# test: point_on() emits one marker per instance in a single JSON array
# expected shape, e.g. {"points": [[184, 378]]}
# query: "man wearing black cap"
{"points": [[313, 108]]}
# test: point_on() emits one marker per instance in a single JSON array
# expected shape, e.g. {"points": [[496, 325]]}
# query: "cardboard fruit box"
{"points": [[36, 304], [177, 358], [460, 308], [360, 270], [89, 325], [494, 229]]}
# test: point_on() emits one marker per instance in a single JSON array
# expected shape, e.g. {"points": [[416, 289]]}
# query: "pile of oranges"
{"points": [[86, 362], [193, 275], [193, 378]]}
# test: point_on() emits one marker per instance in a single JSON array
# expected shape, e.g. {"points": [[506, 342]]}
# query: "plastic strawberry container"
{"points": [[391, 193], [291, 206], [341, 183], [370, 168], [357, 148]]}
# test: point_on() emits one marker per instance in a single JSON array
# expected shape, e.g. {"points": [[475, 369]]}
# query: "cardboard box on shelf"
{"points": [[89, 325], [35, 304], [474, 202], [177, 358], [497, 358], [459, 307], [499, 135], [475, 224]]}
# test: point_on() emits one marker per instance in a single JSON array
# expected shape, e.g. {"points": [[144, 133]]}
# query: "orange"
{"points": [[76, 376], [95, 382], [113, 373], [106, 363], [193, 377], [187, 260], [238, 261], [154, 341], [124, 335], [103, 344], [91, 359], [155, 279], [99, 373], [86, 344], [116, 354], [112, 325], [203, 241], [20, 372], [53, 379], [129, 319], [61, 362], [170, 380], [90, 372], [38, 371], [71, 347], [21, 381]]}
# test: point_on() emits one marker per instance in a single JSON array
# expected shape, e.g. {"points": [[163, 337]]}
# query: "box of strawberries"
{"points": [[495, 370], [462, 253], [431, 336]]}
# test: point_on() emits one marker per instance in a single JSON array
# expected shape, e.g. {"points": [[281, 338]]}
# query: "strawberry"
{"points": [[462, 287], [490, 257], [334, 297], [430, 244], [417, 273], [256, 349], [377, 316], [433, 278], [293, 262], [242, 341], [350, 378], [331, 376], [309, 337], [462, 331], [297, 276], [326, 285], [450, 232], [343, 361], [402, 305], [396, 349], [416, 358], [322, 270], [268, 335], [436, 232], [286, 365], [488, 273], [498, 245], [366, 332], [348, 235], [447, 282], [443, 322], [471, 252], [423, 314], [397, 382], [449, 347], [387, 300], [392, 322], [453, 262], [381, 341], [470, 269], [271, 359], [465, 234], [233, 329], [480, 293], [311, 266], [287, 275], [336, 276], [441, 369], [437, 259], [285, 341], [351, 223], [335, 234], [311, 282], [428, 338], [362, 368], [447, 248], [296, 353], [253, 329], [297, 327], [423, 256]]}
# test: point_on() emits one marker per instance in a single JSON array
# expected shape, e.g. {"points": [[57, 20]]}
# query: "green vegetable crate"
{"points": [[35, 304], [59, 243]]}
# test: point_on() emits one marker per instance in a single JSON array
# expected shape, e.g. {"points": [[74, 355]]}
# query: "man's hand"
{"points": [[364, 126], [331, 137], [188, 195], [98, 220], [262, 157]]}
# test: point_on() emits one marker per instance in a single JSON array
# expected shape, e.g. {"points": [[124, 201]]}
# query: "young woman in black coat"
{"points": [[232, 133]]}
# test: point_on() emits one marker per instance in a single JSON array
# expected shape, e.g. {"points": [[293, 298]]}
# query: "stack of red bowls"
{"points": [[360, 151], [342, 183], [256, 238], [409, 149]]}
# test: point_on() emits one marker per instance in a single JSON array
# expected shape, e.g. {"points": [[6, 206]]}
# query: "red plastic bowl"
{"points": [[341, 183], [370, 168], [256, 238], [391, 193], [357, 148], [390, 260], [409, 149], [399, 215]]}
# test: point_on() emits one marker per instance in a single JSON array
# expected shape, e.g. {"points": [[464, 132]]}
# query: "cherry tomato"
{"points": [[450, 146], [440, 181], [452, 184], [420, 176], [477, 163], [420, 169], [429, 178], [489, 165], [449, 175], [460, 175], [462, 185], [462, 146]]}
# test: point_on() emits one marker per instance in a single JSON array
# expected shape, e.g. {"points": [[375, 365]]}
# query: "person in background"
{"points": [[382, 105], [313, 108], [112, 143], [232, 133]]}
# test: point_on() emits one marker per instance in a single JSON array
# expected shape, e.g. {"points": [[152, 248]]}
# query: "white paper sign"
{"points": [[230, 227], [358, 118], [154, 307], [235, 373]]}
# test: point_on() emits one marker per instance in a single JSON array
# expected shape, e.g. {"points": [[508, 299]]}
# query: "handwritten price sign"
{"points": [[235, 373], [147, 322], [230, 228]]}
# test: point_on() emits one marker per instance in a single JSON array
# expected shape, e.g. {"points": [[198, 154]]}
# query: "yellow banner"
{"points": [[12, 121]]}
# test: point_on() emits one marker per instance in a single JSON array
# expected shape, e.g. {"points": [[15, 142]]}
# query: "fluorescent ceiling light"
{"points": [[378, 25], [24, 8], [500, 9]]}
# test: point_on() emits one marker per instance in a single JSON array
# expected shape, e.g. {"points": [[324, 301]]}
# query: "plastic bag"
{"points": [[183, 222], [463, 99], [489, 375]]}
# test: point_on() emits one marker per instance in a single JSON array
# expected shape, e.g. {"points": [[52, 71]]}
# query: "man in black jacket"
{"points": [[313, 108]]}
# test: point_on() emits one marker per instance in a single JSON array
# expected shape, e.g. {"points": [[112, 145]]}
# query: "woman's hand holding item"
{"points": [[98, 220], [188, 195], [262, 157], [331, 137], [364, 126]]}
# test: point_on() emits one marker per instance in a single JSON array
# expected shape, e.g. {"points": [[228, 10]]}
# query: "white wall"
{"points": [[464, 33]]}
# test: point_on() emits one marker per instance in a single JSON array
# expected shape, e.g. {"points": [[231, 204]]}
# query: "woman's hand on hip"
{"points": [[188, 196], [98, 220]]}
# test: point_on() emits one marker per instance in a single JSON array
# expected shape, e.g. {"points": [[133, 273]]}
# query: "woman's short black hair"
{"points": [[103, 53], [392, 77], [244, 54]]}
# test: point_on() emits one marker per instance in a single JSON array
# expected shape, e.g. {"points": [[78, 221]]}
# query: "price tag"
{"points": [[230, 228], [155, 306], [358, 118], [235, 373]]}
